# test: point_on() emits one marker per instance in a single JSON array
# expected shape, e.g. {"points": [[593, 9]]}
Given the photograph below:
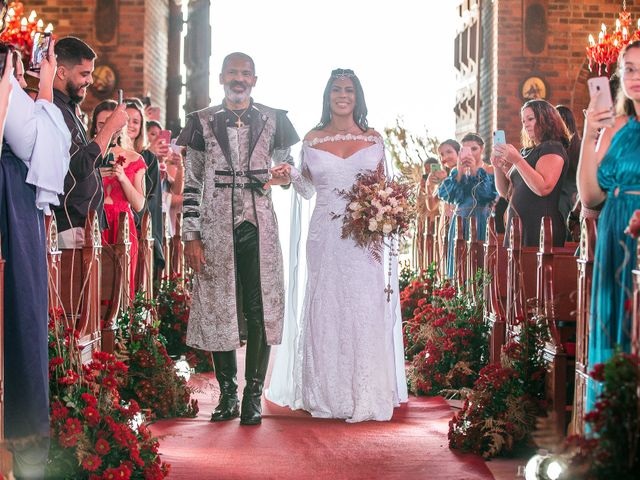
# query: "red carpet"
{"points": [[293, 445]]}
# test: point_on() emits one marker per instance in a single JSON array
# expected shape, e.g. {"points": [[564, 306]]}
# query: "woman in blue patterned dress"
{"points": [[609, 170], [471, 189]]}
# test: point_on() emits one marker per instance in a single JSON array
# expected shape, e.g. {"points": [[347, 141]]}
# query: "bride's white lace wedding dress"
{"points": [[342, 355]]}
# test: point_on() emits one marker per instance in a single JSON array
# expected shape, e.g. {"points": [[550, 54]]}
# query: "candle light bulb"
{"points": [[625, 33], [11, 12], [617, 25], [32, 16], [603, 28], [40, 23], [592, 41], [49, 28], [23, 22], [601, 37], [615, 42]]}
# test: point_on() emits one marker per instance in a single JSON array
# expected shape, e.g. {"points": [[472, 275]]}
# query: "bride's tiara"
{"points": [[342, 73]]}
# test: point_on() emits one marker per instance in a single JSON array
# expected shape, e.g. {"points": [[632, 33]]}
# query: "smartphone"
{"points": [[465, 152], [435, 167], [165, 135], [499, 137], [120, 96], [605, 101], [40, 50]]}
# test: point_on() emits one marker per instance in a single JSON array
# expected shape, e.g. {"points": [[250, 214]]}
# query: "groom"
{"points": [[231, 234]]}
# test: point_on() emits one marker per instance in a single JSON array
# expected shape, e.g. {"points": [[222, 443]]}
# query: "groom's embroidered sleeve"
{"points": [[191, 136]]}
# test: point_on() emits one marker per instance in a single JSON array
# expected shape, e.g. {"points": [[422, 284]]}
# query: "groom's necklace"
{"points": [[239, 123]]}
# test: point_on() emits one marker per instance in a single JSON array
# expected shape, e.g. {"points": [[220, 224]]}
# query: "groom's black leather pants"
{"points": [[246, 243]]}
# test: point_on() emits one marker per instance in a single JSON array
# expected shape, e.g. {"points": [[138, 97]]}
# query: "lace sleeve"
{"points": [[301, 179]]}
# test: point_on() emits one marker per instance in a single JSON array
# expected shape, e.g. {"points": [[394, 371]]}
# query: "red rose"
{"points": [[121, 160]]}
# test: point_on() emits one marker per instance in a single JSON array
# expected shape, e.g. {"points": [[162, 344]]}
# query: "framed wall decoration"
{"points": [[533, 87], [104, 80]]}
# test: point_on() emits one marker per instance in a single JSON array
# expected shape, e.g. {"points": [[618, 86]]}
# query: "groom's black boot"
{"points": [[226, 370], [256, 370]]}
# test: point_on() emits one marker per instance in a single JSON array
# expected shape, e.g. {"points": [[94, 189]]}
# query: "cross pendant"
{"points": [[239, 123], [388, 291]]}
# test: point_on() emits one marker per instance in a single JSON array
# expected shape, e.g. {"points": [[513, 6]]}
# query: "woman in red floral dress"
{"points": [[123, 182]]}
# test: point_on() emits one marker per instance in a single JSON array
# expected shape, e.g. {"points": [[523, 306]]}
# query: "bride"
{"points": [[342, 356]]}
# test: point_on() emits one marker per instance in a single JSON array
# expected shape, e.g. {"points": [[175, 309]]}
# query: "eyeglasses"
{"points": [[629, 71]]}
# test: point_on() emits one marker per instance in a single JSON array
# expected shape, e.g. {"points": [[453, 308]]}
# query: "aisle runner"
{"points": [[292, 445]]}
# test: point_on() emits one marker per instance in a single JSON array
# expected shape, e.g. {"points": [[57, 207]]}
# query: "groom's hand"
{"points": [[194, 254], [279, 176]]}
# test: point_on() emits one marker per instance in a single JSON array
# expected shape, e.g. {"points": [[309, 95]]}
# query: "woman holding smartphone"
{"points": [[609, 171], [123, 181], [471, 189], [532, 178]]}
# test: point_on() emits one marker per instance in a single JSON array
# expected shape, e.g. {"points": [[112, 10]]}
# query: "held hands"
{"points": [[508, 154], [435, 178], [194, 254], [160, 148], [118, 119], [597, 119], [280, 175], [48, 68]]}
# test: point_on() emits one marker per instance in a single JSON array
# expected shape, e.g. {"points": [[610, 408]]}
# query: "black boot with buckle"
{"points": [[256, 370], [226, 370]]}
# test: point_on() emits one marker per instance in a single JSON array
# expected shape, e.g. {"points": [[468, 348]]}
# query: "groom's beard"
{"points": [[236, 97]]}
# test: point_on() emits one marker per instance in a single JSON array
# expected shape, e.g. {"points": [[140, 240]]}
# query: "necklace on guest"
{"points": [[239, 123]]}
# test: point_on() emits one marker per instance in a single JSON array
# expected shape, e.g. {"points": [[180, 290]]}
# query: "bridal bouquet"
{"points": [[377, 208]]}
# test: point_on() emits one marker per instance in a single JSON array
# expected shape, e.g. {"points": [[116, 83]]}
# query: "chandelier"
{"points": [[605, 52], [20, 29]]}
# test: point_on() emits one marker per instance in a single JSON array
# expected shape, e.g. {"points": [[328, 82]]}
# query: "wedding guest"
{"points": [[569, 193], [19, 69], [83, 185], [137, 132], [532, 178], [609, 169], [122, 174], [471, 189], [448, 152], [35, 156], [424, 214]]}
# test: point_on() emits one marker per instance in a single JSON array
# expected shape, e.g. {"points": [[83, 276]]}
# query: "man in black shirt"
{"points": [[83, 184]]}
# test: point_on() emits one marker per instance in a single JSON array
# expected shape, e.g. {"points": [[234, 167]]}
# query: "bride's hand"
{"points": [[279, 175]]}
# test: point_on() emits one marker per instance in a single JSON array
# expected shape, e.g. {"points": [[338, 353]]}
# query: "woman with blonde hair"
{"points": [[123, 182]]}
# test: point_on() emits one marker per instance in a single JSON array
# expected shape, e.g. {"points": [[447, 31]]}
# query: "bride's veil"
{"points": [[283, 389]]}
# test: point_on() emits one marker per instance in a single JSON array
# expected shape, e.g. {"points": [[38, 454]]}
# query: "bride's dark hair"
{"points": [[360, 110]]}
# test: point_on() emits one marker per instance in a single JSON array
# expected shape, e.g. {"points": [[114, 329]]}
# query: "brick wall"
{"points": [[139, 53], [506, 61]]}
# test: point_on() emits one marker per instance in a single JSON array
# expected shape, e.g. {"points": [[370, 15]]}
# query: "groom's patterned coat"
{"points": [[216, 322]]}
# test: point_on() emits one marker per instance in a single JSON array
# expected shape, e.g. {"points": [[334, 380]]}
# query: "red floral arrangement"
{"points": [[613, 451], [173, 302], [121, 160], [413, 297], [152, 380], [95, 434], [500, 410], [377, 207], [445, 336]]}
